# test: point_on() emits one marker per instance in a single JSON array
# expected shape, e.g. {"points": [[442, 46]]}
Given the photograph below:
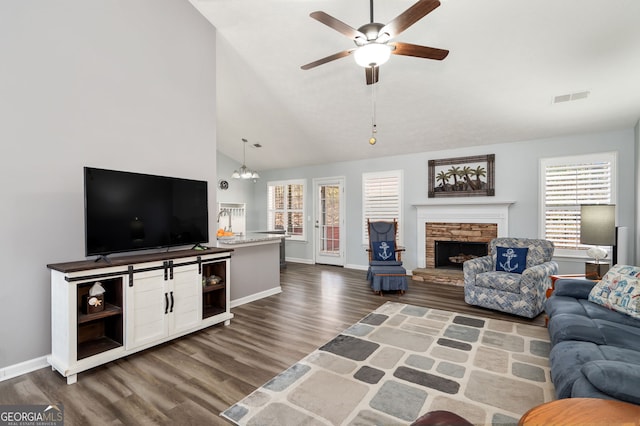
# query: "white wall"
{"points": [[128, 85], [517, 179], [636, 237]]}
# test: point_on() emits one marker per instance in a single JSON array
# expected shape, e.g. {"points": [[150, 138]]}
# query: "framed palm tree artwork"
{"points": [[462, 176]]}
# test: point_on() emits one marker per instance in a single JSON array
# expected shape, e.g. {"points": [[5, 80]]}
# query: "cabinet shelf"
{"points": [[214, 296], [214, 287], [109, 310], [96, 346], [210, 311], [100, 331]]}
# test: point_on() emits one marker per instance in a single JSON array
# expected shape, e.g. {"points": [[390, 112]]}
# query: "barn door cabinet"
{"points": [[147, 300]]}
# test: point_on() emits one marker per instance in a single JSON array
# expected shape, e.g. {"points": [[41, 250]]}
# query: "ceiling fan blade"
{"points": [[337, 25], [409, 17], [372, 74], [327, 59], [408, 49]]}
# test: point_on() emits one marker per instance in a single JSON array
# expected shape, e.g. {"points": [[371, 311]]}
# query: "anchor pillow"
{"points": [[511, 259], [384, 250]]}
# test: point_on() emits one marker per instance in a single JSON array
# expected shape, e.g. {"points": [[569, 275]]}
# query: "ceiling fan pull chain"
{"points": [[373, 98], [374, 128]]}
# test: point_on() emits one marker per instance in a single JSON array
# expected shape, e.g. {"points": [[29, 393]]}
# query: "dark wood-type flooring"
{"points": [[192, 379]]}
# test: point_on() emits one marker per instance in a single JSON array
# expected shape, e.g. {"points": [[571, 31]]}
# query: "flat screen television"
{"points": [[127, 211]]}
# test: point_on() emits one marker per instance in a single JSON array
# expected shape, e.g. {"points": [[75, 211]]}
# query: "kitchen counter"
{"points": [[250, 238], [255, 265]]}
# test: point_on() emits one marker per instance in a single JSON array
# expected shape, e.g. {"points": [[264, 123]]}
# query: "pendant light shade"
{"points": [[244, 172]]}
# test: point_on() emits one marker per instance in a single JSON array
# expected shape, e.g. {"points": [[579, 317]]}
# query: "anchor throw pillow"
{"points": [[511, 259], [384, 250]]}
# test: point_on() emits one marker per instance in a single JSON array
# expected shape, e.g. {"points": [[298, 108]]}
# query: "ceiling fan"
{"points": [[372, 39]]}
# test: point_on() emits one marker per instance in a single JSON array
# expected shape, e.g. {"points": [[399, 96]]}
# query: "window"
{"points": [[382, 199], [286, 209], [567, 183]]}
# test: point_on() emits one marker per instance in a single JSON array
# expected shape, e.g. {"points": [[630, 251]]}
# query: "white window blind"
{"points": [[382, 199], [569, 182], [286, 207]]}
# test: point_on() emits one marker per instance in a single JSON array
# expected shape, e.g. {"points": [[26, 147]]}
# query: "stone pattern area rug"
{"points": [[402, 361]]}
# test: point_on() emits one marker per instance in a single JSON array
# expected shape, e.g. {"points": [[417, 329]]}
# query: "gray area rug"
{"points": [[402, 361]]}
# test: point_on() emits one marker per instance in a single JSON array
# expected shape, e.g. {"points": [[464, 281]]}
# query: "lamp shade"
{"points": [[598, 224]]}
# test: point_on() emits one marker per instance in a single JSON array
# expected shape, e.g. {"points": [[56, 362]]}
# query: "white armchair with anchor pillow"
{"points": [[513, 278]]}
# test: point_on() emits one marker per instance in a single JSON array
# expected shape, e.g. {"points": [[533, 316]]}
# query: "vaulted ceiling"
{"points": [[508, 61]]}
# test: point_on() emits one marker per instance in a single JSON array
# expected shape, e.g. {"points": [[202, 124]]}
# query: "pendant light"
{"points": [[244, 172]]}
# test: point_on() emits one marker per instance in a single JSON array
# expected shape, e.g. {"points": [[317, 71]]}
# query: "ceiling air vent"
{"points": [[571, 97]]}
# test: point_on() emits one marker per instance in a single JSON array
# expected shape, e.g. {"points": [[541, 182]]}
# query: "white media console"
{"points": [[148, 299]]}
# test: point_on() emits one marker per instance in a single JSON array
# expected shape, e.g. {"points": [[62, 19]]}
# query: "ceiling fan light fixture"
{"points": [[372, 54]]}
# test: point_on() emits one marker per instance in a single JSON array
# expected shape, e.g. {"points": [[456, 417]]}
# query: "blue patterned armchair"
{"points": [[505, 281]]}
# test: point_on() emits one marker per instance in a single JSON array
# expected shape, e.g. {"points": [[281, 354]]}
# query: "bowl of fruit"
{"points": [[222, 234]]}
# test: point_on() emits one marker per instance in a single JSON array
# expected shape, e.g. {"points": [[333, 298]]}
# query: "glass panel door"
{"points": [[328, 223]]}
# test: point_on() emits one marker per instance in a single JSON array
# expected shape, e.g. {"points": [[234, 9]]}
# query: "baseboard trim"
{"points": [[257, 296], [366, 267], [299, 260], [347, 266], [24, 367], [358, 267]]}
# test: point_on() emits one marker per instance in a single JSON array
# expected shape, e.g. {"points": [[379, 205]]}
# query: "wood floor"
{"points": [[192, 379]]}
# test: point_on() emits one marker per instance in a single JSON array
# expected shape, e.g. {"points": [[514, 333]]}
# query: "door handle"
{"points": [[166, 303], [171, 309]]}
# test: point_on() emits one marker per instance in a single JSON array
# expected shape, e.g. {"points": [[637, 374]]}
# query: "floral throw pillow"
{"points": [[619, 290]]}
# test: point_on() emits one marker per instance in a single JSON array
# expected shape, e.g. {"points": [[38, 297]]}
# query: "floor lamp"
{"points": [[597, 228]]}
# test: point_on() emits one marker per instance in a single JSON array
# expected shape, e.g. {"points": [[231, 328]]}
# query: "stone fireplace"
{"points": [[459, 229], [456, 239], [452, 254]]}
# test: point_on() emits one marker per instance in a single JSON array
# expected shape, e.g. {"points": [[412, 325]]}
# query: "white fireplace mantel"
{"points": [[459, 211]]}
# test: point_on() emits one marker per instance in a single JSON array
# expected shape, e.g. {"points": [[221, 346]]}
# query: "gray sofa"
{"points": [[595, 350]]}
